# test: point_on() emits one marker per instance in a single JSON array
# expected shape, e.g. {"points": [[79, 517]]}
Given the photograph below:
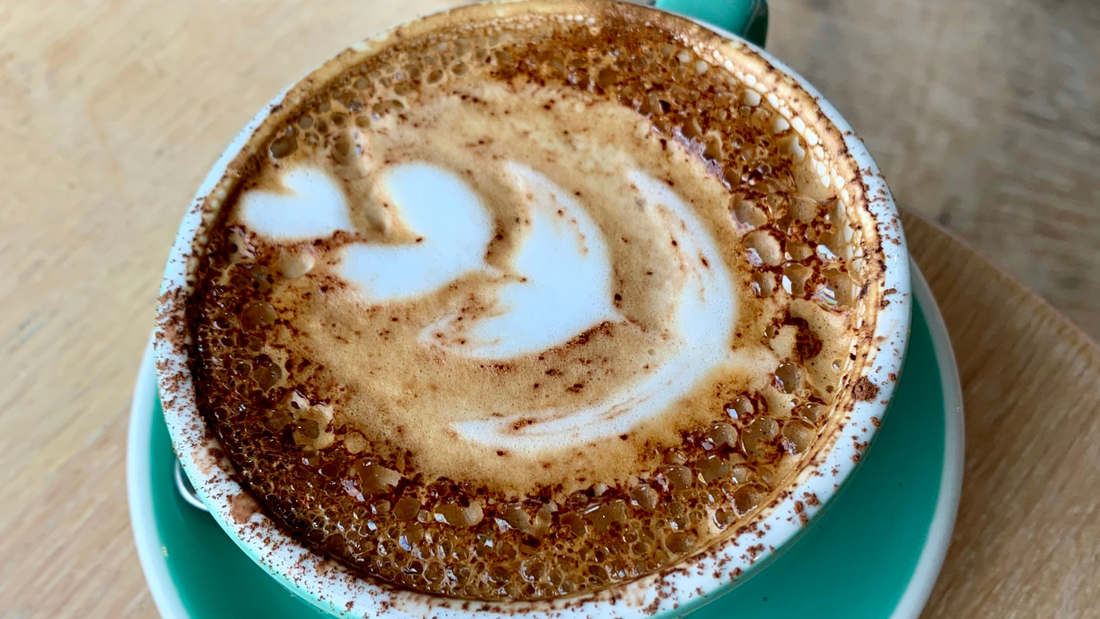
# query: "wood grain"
{"points": [[1027, 539], [982, 114]]}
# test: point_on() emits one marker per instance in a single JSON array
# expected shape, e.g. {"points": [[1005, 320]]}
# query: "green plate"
{"points": [[875, 552]]}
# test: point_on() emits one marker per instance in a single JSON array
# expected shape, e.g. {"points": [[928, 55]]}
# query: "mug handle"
{"points": [[746, 18]]}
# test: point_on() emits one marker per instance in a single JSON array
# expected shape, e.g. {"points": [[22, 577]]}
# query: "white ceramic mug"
{"points": [[674, 591]]}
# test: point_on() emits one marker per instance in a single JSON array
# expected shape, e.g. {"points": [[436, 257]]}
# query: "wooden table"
{"points": [[983, 115]]}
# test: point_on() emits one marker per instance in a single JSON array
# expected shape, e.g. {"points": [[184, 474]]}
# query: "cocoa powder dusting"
{"points": [[864, 390]]}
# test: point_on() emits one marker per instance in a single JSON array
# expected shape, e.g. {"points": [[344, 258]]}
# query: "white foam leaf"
{"points": [[560, 285], [453, 230], [311, 206]]}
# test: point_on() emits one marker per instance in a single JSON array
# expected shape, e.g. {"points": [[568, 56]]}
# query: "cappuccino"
{"points": [[527, 305]]}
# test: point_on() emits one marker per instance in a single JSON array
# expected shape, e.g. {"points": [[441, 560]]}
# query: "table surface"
{"points": [[983, 114]]}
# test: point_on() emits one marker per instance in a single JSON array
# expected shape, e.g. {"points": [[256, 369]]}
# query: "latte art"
{"points": [[698, 336], [557, 287], [492, 318], [559, 279]]}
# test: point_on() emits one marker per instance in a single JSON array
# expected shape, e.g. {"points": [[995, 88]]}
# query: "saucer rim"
{"points": [[938, 539], [151, 553]]}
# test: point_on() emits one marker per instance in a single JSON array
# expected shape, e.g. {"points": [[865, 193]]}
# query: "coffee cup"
{"points": [[810, 126]]}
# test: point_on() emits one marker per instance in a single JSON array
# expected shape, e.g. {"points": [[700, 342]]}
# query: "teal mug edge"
{"points": [[745, 18]]}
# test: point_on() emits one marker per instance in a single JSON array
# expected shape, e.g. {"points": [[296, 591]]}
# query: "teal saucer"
{"points": [[874, 553]]}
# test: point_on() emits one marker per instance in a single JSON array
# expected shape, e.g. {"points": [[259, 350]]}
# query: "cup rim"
{"points": [[336, 590]]}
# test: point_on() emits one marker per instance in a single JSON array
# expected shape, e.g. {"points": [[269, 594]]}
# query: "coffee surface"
{"points": [[525, 307]]}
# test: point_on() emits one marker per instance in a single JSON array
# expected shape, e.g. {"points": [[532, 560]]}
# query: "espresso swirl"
{"points": [[493, 295]]}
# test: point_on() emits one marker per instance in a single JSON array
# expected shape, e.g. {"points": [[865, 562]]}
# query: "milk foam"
{"points": [[517, 293], [558, 287], [310, 206], [702, 325], [452, 227]]}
